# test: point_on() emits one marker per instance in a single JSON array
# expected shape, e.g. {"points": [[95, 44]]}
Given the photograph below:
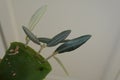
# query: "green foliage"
{"points": [[21, 62], [47, 40], [31, 36], [58, 38], [44, 40], [72, 44]]}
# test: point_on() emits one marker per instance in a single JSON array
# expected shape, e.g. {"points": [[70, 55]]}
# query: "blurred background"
{"points": [[98, 59]]}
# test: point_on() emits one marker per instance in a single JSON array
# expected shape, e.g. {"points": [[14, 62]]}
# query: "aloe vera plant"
{"points": [[22, 62]]}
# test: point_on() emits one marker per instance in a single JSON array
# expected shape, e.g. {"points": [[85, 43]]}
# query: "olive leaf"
{"points": [[72, 44], [47, 40], [58, 38], [44, 40], [36, 17], [31, 36], [62, 65]]}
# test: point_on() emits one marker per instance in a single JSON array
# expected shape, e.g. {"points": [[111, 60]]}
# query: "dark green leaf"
{"points": [[47, 40], [72, 44], [31, 36], [58, 38], [44, 40], [65, 40]]}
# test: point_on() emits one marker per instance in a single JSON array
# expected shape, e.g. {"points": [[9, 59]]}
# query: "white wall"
{"points": [[1, 48], [100, 18]]}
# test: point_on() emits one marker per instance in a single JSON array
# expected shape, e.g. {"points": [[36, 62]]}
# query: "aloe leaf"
{"points": [[47, 40], [61, 64], [72, 44], [31, 36], [36, 17], [58, 38]]}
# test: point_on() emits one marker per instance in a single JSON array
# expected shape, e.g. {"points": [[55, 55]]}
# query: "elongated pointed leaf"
{"points": [[44, 40], [58, 38], [62, 65], [36, 17], [31, 36], [72, 44], [47, 40]]}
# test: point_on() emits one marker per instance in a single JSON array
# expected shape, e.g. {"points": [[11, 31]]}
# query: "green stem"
{"points": [[27, 41], [41, 48], [51, 56]]}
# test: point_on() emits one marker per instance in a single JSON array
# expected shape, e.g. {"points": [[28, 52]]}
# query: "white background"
{"points": [[98, 59]]}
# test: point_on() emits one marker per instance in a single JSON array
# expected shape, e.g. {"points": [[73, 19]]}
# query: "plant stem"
{"points": [[41, 48], [51, 56], [27, 41]]}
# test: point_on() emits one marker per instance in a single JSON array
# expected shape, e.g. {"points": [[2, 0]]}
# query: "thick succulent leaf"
{"points": [[72, 44], [58, 38], [30, 35], [24, 64], [36, 17], [47, 40]]}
